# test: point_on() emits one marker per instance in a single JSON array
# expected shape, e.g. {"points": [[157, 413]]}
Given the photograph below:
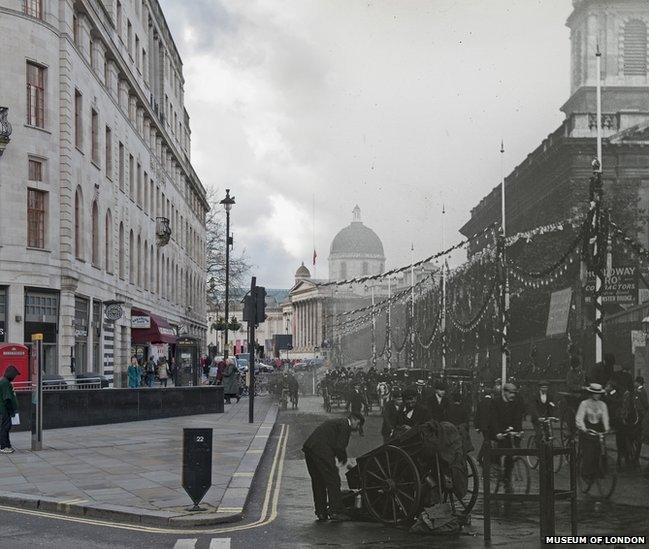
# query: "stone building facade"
{"points": [[552, 182], [99, 202]]}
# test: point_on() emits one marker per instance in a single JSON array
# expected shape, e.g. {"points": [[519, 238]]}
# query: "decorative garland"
{"points": [[419, 263], [466, 327]]}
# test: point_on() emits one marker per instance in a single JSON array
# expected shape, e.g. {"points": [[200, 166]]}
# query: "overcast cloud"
{"points": [[395, 105]]}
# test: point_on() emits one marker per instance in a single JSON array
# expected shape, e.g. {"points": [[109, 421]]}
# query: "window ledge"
{"points": [[34, 249], [80, 260], [31, 127], [95, 164], [79, 150]]}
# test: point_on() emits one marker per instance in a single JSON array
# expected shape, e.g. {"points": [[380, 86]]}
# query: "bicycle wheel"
{"points": [[532, 461], [606, 484]]}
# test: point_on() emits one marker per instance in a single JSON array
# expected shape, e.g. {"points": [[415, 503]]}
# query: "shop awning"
{"points": [[156, 330]]}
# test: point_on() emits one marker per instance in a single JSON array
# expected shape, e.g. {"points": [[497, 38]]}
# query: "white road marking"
{"points": [[220, 543], [186, 543]]}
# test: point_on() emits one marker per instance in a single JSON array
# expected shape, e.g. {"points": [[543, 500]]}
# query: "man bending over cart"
{"points": [[326, 444]]}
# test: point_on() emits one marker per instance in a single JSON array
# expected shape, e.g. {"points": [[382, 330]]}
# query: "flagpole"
{"points": [[315, 267], [505, 311], [443, 291], [598, 271], [412, 306], [389, 327]]}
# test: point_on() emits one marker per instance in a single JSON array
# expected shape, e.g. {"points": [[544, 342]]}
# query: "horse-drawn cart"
{"points": [[421, 468]]}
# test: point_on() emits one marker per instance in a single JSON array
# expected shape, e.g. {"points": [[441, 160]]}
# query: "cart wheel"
{"points": [[391, 485], [465, 504], [532, 461]]}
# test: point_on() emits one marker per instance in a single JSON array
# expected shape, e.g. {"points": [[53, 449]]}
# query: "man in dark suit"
{"points": [[439, 403], [326, 444], [542, 404]]}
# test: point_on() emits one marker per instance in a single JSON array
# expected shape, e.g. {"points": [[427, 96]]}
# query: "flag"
{"points": [[315, 255]]}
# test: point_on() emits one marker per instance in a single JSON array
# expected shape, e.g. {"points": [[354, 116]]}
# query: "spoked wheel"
{"points": [[466, 503], [391, 485], [532, 461]]}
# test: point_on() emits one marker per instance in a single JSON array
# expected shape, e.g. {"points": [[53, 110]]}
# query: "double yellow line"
{"points": [[268, 510]]}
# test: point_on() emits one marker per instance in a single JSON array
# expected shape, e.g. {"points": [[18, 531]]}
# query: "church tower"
{"points": [[619, 28]]}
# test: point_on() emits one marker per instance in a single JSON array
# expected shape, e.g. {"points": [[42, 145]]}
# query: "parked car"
{"points": [[242, 363]]}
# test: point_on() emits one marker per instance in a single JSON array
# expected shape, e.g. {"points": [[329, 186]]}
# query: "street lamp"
{"points": [[227, 202]]}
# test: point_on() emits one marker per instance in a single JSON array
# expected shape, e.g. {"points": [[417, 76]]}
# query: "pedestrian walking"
{"points": [[173, 370], [592, 417], [163, 371], [8, 408], [213, 373], [390, 413], [325, 445], [133, 374], [149, 371], [230, 381]]}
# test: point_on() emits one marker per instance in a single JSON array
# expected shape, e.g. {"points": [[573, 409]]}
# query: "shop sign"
{"points": [[114, 312], [80, 332], [141, 322], [620, 287], [167, 331]]}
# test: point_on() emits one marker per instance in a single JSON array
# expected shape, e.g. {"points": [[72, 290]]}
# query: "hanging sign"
{"points": [[559, 312], [141, 321], [621, 287], [114, 312]]}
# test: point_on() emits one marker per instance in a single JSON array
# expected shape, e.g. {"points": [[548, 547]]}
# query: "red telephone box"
{"points": [[18, 356]]}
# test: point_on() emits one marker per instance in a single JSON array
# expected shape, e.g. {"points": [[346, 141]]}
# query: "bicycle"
{"points": [[545, 433], [521, 479], [606, 476]]}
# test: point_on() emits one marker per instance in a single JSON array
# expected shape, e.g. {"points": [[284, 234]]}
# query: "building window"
{"points": [[118, 21], [108, 243], [34, 8], [129, 37], [131, 176], [131, 258], [94, 126], [137, 52], [78, 224], [35, 95], [121, 167], [343, 270], [81, 311], [36, 201], [95, 234], [138, 196], [138, 278], [109, 153], [635, 48], [78, 119], [121, 257], [365, 268], [75, 29], [35, 170]]}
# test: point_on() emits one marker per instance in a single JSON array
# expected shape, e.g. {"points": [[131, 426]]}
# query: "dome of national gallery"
{"points": [[357, 239]]}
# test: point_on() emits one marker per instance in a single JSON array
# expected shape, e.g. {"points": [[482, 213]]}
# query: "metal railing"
{"points": [[63, 383]]}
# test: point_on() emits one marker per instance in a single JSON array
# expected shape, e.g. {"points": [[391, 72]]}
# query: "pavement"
{"points": [[131, 472]]}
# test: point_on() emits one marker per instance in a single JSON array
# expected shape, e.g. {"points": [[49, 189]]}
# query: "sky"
{"points": [[397, 106]]}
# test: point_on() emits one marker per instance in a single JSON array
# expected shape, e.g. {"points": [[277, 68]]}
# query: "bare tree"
{"points": [[215, 254]]}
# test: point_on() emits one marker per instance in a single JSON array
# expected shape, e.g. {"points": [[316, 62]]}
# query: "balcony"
{"points": [[162, 230], [5, 129]]}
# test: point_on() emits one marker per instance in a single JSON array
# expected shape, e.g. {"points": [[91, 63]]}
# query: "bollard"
{"points": [[197, 464], [486, 466]]}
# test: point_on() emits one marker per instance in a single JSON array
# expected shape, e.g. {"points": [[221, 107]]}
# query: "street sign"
{"points": [[197, 464], [621, 287]]}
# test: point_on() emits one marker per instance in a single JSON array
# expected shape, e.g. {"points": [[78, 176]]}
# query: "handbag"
{"points": [[15, 419]]}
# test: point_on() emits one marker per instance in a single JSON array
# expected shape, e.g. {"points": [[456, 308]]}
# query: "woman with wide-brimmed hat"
{"points": [[591, 418]]}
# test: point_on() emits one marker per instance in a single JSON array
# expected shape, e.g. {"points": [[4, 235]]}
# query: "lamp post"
{"points": [[227, 202]]}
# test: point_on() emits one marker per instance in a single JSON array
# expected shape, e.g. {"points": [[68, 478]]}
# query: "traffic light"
{"points": [[260, 304], [249, 309]]}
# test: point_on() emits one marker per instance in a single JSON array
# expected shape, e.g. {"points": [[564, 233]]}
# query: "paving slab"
{"points": [[131, 472]]}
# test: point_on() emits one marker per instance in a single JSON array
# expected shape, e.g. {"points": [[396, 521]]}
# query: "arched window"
{"points": [[95, 234], [121, 257], [151, 269], [157, 272], [131, 258], [139, 262], [635, 48], [343, 270], [146, 265], [78, 224], [108, 243], [168, 279], [163, 287]]}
